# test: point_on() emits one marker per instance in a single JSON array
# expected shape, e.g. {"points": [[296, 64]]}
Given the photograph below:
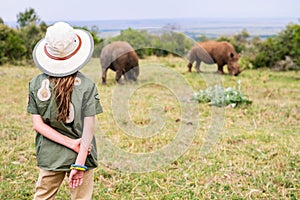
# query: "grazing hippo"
{"points": [[222, 53], [120, 57]]}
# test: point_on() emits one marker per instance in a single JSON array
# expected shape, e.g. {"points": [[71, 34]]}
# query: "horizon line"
{"points": [[169, 18]]}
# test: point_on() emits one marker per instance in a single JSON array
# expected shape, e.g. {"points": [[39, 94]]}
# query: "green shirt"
{"points": [[84, 102]]}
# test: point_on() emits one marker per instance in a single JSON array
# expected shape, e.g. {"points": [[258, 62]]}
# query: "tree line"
{"points": [[281, 51]]}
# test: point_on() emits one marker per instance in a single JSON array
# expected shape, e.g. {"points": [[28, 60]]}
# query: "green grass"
{"points": [[256, 155]]}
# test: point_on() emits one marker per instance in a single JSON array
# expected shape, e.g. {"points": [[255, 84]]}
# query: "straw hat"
{"points": [[63, 51]]}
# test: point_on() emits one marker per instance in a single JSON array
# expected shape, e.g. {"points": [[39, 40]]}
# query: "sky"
{"points": [[67, 10]]}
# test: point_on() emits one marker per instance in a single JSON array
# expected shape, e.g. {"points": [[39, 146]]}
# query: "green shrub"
{"points": [[12, 46], [146, 43], [239, 41], [219, 96], [277, 48]]}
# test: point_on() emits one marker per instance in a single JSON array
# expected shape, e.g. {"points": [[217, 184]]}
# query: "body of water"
{"points": [[196, 27], [193, 27]]}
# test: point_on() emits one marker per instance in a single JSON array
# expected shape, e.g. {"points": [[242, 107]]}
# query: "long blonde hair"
{"points": [[63, 87]]}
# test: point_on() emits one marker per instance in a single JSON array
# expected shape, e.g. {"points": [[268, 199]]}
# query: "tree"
{"points": [[239, 41], [139, 40], [147, 43], [1, 20], [27, 18], [296, 43], [12, 46], [285, 44]]}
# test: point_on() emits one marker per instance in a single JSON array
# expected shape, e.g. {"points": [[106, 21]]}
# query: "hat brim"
{"points": [[61, 68]]}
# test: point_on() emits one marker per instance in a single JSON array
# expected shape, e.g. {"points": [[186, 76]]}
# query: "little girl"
{"points": [[63, 103]]}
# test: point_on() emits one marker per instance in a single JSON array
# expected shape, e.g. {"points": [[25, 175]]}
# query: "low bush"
{"points": [[219, 96]]}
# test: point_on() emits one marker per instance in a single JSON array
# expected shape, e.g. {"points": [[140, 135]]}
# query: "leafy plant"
{"points": [[28, 17], [219, 96], [276, 48], [151, 43], [12, 46]]}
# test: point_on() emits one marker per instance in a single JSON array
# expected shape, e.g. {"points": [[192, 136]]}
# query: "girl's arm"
{"points": [[86, 139], [52, 134], [76, 176]]}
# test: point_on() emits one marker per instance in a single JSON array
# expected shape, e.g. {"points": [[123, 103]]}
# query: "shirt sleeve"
{"points": [[91, 103], [31, 106]]}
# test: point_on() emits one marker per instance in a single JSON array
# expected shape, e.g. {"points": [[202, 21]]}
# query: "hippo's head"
{"points": [[232, 65], [132, 74]]}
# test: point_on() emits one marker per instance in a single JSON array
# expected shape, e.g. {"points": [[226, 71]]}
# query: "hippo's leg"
{"points": [[198, 62], [220, 69], [119, 74], [190, 65], [104, 76]]}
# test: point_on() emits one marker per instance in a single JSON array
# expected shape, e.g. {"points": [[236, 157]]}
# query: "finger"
{"points": [[80, 181], [71, 179], [71, 176], [71, 185], [76, 183]]}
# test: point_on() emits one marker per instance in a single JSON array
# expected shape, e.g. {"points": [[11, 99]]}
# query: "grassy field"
{"points": [[256, 154]]}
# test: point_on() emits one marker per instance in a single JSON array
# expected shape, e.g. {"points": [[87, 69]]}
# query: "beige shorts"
{"points": [[49, 181]]}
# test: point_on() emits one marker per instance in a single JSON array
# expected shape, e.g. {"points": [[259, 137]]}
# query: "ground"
{"points": [[254, 154]]}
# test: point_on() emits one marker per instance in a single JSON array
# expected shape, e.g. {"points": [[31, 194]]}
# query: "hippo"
{"points": [[222, 53], [120, 57]]}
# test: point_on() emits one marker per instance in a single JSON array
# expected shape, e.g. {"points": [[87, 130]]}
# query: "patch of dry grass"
{"points": [[255, 156]]}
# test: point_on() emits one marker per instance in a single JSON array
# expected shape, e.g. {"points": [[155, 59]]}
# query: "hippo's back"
{"points": [[113, 51]]}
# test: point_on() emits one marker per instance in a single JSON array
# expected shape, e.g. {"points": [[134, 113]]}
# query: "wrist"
{"points": [[78, 167], [74, 144]]}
